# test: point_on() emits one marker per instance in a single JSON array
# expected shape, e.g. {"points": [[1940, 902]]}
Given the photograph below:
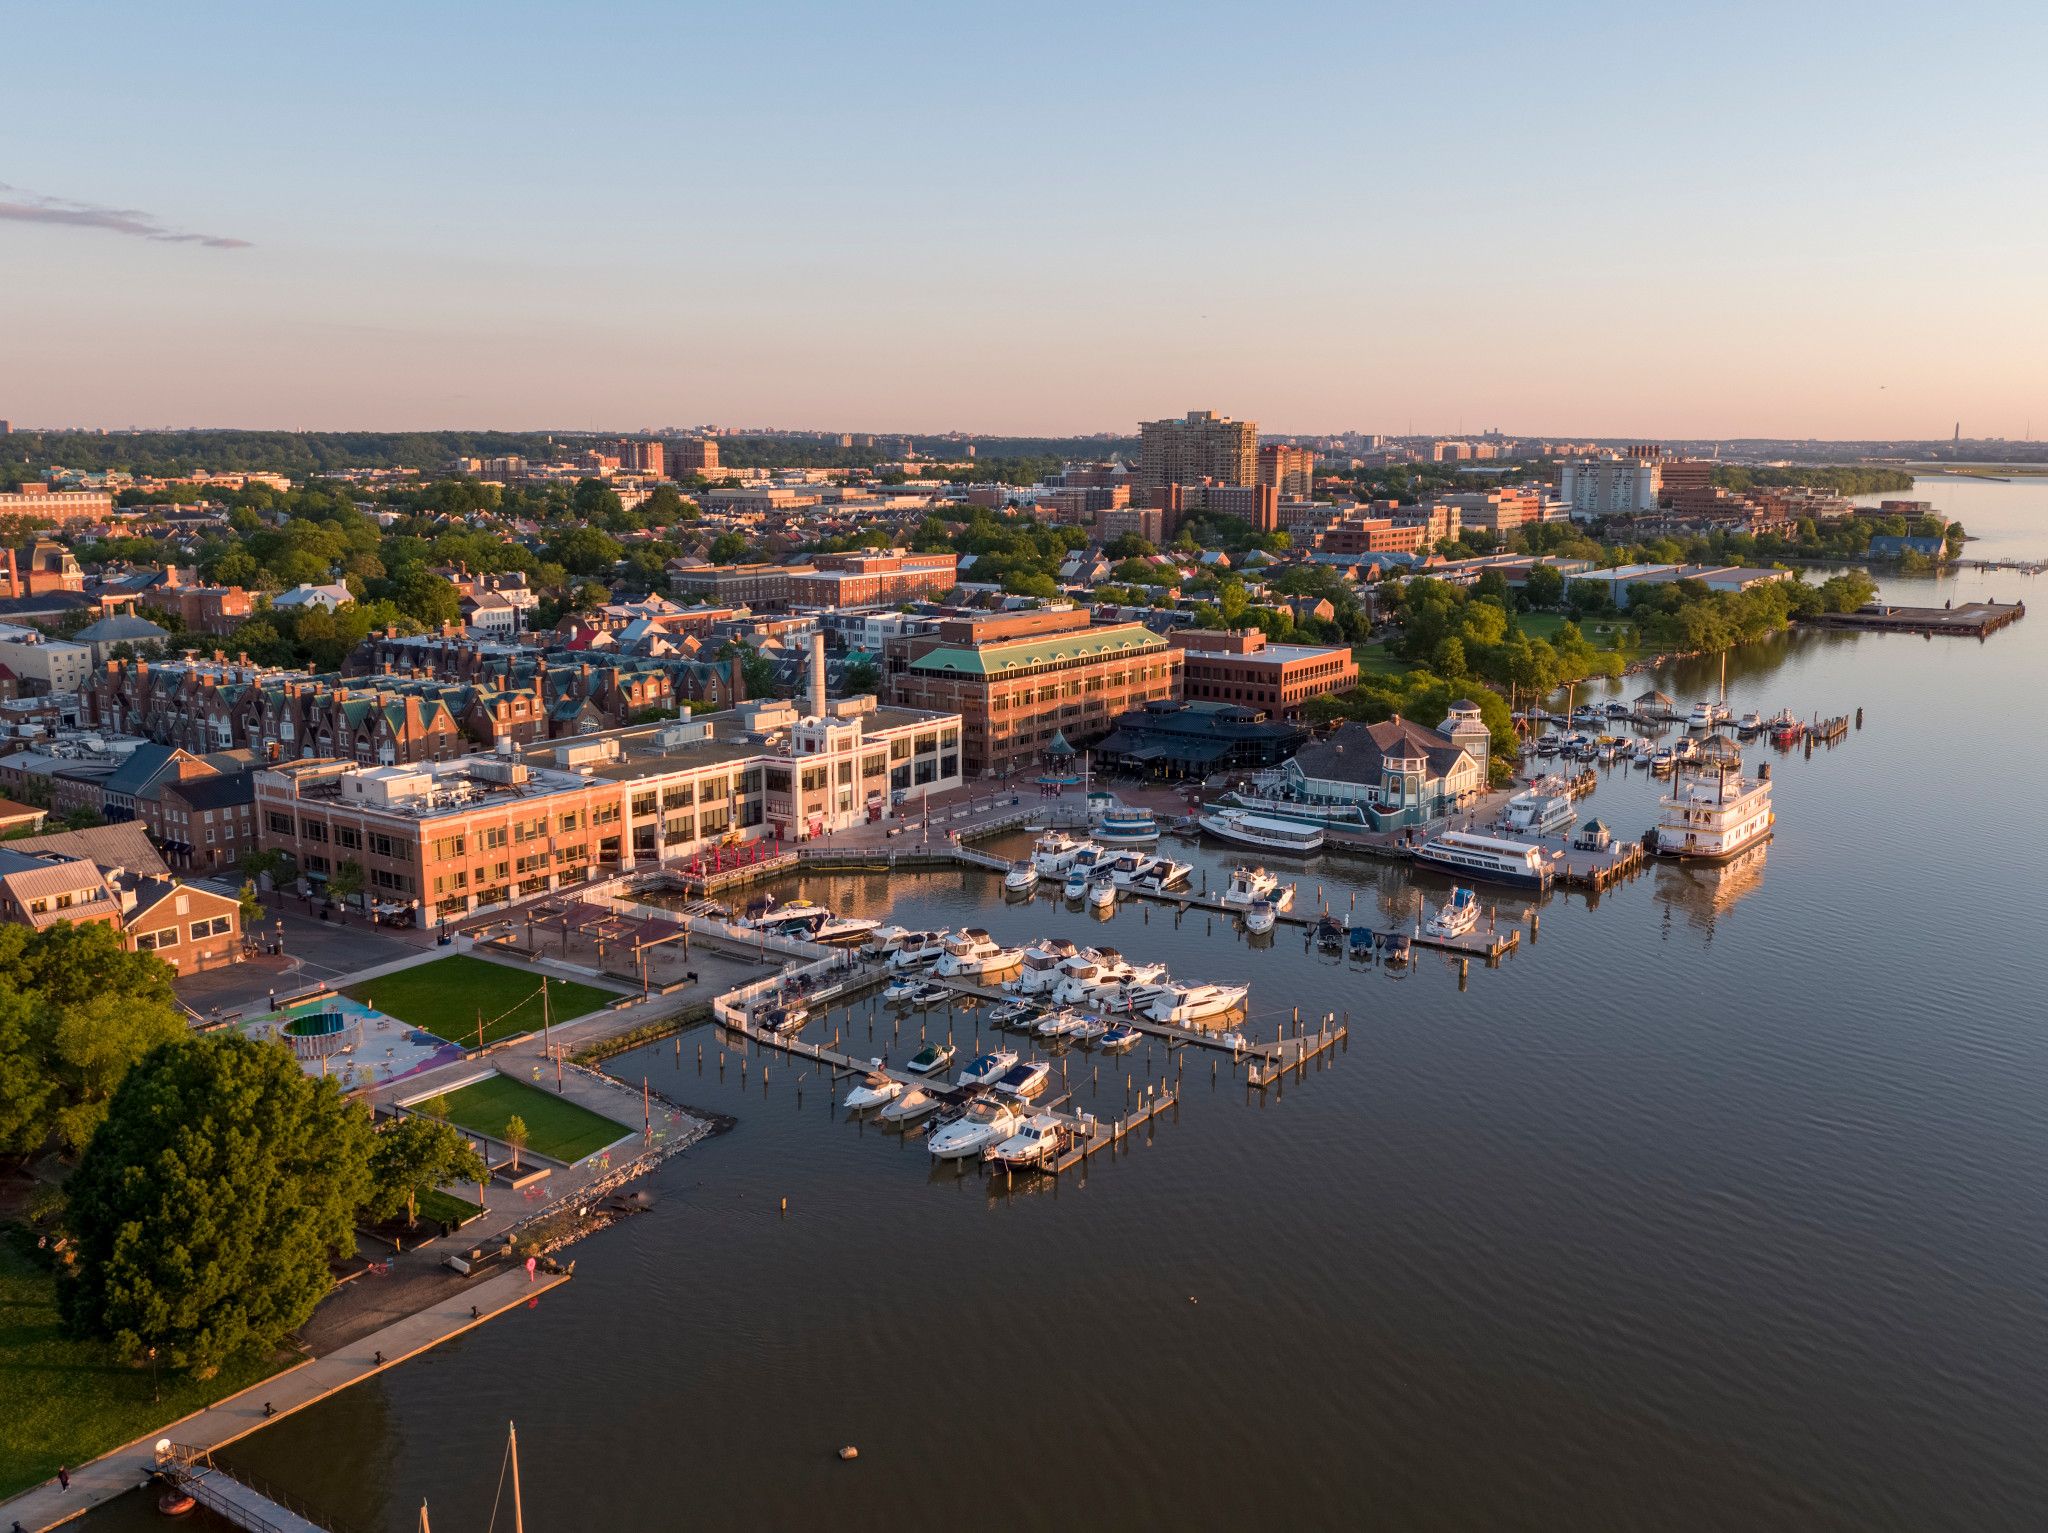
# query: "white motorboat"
{"points": [[1016, 1014], [912, 1105], [1025, 1079], [930, 1059], [1260, 917], [1077, 883], [1022, 877], [1456, 916], [918, 949], [1057, 1025], [884, 940], [774, 917], [1119, 1037], [1123, 826], [1247, 885], [1088, 1030], [1544, 806], [1032, 1145], [929, 994], [972, 953], [1297, 838], [1705, 715], [1041, 974], [900, 991], [985, 1070], [1055, 851], [840, 930], [1195, 1003], [1160, 875], [873, 1092], [983, 1123], [1101, 893]]}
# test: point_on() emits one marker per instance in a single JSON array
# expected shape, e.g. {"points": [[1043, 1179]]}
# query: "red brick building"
{"points": [[1240, 666]]}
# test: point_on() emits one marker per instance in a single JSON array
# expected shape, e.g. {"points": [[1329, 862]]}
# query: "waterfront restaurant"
{"points": [[1175, 739], [1398, 771]]}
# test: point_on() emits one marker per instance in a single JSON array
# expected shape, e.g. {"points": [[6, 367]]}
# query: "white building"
{"points": [[1596, 487]]}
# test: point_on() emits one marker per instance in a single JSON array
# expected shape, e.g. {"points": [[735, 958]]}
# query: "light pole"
{"points": [[155, 1394], [280, 936]]}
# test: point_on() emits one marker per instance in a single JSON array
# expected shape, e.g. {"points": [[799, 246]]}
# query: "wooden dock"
{"points": [[1971, 620]]}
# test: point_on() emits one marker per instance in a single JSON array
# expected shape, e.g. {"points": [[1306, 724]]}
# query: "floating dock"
{"points": [[1971, 620]]}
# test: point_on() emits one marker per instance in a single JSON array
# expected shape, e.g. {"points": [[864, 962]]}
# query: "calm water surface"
{"points": [[1723, 1204]]}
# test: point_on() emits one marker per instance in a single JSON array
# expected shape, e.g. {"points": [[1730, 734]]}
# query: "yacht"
{"points": [[843, 930], [1037, 1142], [1041, 973], [972, 953], [1705, 715], [1713, 812], [1104, 979], [912, 1105], [1024, 1080], [1195, 1003], [933, 1056], [1022, 877], [873, 1092], [1102, 892], [1248, 885], [1494, 859], [1127, 827], [985, 1070], [1540, 808], [884, 940], [1055, 851], [1297, 838], [770, 916], [1160, 874], [1260, 918], [1456, 916], [984, 1123], [917, 949]]}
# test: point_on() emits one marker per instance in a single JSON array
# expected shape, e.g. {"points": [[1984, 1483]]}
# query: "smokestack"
{"points": [[818, 673]]}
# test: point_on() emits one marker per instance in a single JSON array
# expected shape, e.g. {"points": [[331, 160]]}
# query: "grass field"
{"points": [[1374, 660], [445, 998], [63, 1401], [438, 1207], [1599, 633], [555, 1127]]}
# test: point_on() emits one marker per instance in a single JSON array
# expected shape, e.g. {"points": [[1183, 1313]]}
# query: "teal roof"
{"points": [[1024, 654]]}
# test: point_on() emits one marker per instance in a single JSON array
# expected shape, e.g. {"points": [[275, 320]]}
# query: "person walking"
{"points": [[63, 1478]]}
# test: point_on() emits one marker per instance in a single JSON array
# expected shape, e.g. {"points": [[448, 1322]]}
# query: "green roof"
{"points": [[1024, 654]]}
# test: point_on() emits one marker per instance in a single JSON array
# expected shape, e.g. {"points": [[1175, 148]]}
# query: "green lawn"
{"points": [[438, 1207], [446, 997], [555, 1126], [1374, 660], [64, 1402], [1599, 632]]}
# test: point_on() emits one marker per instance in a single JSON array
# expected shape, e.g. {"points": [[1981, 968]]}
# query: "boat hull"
{"points": [[1424, 859]]}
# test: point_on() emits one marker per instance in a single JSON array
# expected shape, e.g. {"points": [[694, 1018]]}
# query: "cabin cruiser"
{"points": [[1041, 973], [1024, 1080], [1706, 715], [1542, 807], [1103, 979], [1032, 1145], [1022, 877], [917, 949], [933, 1056], [1055, 851], [1294, 837], [1456, 916], [1102, 892], [1492, 858], [1160, 874], [912, 1105], [1750, 726], [1077, 883], [972, 952], [1663, 760], [1248, 885], [1059, 1024], [841, 930], [984, 1123], [1260, 918], [877, 1089], [900, 991], [1195, 1003], [1123, 826], [884, 940], [1088, 1029], [985, 1070]]}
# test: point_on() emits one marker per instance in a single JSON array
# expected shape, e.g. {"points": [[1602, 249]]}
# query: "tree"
{"points": [[345, 882], [861, 678], [728, 548], [515, 1135], [584, 550], [1544, 586], [210, 1202], [251, 903], [413, 1154]]}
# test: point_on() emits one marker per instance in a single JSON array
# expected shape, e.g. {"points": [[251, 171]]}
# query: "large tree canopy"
{"points": [[210, 1201]]}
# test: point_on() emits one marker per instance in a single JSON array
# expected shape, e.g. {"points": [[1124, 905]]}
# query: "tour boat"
{"points": [[918, 949], [1123, 826], [985, 1070], [1539, 809], [1294, 837], [1032, 1145], [1713, 812], [933, 1056], [840, 930], [1118, 1038], [1248, 885], [873, 1092], [1025, 1079], [985, 1122], [1041, 972], [1055, 851], [1195, 1003], [912, 1105], [1102, 892], [1456, 916], [972, 953], [1260, 917], [1492, 858], [1022, 877]]}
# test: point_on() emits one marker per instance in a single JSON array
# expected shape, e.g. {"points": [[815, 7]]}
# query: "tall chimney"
{"points": [[818, 673]]}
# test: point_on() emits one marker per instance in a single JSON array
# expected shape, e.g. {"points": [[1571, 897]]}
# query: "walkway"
{"points": [[236, 1417]]}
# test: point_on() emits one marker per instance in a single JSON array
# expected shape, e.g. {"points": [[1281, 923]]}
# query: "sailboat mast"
{"points": [[424, 1528], [518, 1516]]}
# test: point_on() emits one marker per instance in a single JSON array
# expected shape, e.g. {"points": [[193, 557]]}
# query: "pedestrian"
{"points": [[63, 1478], [380, 1357]]}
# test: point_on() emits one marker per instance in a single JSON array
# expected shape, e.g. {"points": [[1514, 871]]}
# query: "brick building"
{"points": [[1290, 470], [865, 579], [739, 585], [1241, 666]]}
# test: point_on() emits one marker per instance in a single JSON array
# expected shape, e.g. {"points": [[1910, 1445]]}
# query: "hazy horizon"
{"points": [[1707, 223]]}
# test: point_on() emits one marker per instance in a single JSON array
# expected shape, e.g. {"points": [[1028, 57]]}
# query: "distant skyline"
{"points": [[1587, 220]]}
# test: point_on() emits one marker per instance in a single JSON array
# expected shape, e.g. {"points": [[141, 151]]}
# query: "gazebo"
{"points": [[1656, 705], [1056, 764]]}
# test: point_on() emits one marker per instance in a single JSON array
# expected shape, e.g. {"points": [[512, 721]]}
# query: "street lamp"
{"points": [[280, 936], [154, 1393]]}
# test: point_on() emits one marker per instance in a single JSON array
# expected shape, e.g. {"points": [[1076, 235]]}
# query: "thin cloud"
{"points": [[28, 208]]}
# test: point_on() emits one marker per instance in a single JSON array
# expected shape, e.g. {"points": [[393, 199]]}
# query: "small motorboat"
{"points": [[900, 991], [873, 1092], [1329, 933], [927, 995], [1248, 885], [1259, 919], [786, 1019], [983, 1123], [1025, 1079], [1101, 894], [1032, 1145], [933, 1056], [1089, 1029], [988, 1069], [1012, 1015], [912, 1105], [1077, 883], [1361, 940], [1456, 916], [1119, 1037], [1750, 726], [1059, 1024], [1022, 877], [1395, 947]]}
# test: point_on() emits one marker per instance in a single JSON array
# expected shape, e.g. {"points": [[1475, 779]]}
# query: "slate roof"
{"points": [[1356, 752]]}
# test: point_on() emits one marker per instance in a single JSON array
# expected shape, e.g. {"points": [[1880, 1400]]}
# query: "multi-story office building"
{"points": [[739, 585], [1596, 487], [862, 579], [1503, 510], [1370, 535], [1018, 680], [1202, 445], [1240, 666], [57, 505], [1290, 470]]}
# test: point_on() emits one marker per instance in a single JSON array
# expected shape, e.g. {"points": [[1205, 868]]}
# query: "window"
{"points": [[450, 846], [348, 836], [149, 942], [571, 820], [218, 926], [491, 837], [778, 779], [313, 830]]}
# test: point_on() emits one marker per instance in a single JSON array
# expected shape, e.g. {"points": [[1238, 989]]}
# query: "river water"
{"points": [[1719, 1205]]}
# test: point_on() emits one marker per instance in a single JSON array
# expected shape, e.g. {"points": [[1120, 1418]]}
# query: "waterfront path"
{"points": [[120, 1471]]}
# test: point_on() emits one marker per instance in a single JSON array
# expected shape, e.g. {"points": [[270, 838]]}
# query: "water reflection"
{"points": [[1701, 892]]}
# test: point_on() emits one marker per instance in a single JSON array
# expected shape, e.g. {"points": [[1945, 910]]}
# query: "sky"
{"points": [[1567, 219]]}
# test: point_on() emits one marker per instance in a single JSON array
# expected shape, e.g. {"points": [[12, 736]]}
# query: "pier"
{"points": [[1971, 620], [237, 1501]]}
